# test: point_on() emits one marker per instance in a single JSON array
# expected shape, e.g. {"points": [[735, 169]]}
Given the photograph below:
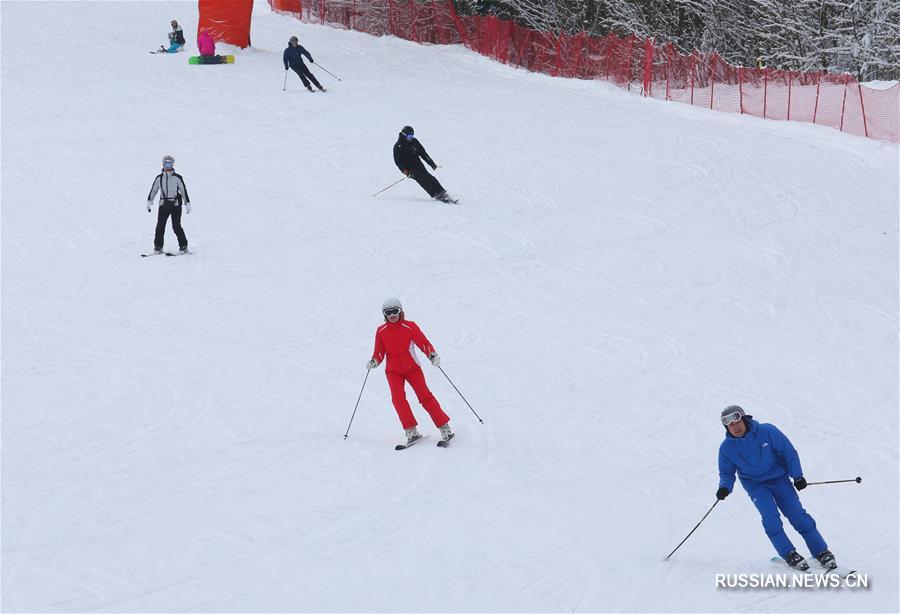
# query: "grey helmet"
{"points": [[730, 412], [294, 39], [168, 159], [392, 303]]}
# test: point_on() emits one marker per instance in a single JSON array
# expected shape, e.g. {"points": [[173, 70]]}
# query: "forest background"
{"points": [[861, 37]]}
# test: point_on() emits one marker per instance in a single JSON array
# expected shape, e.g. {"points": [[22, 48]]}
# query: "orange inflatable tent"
{"points": [[227, 20], [289, 6]]}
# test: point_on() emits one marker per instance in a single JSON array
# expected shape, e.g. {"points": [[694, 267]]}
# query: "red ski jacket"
{"points": [[395, 342]]}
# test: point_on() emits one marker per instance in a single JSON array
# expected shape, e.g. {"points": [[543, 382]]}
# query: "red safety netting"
{"points": [[661, 71]]}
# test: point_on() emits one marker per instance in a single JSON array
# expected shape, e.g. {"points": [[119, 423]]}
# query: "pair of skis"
{"points": [[443, 443], [172, 254], [841, 572]]}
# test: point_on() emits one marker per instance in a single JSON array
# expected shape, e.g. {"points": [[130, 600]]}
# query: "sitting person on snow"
{"points": [[206, 44], [176, 39]]}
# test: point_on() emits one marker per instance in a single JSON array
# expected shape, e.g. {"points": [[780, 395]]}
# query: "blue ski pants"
{"points": [[769, 497]]}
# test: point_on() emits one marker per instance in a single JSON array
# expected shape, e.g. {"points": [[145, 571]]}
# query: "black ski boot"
{"points": [[796, 561], [826, 559]]}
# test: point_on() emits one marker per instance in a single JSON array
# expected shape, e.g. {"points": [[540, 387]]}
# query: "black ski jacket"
{"points": [[407, 154], [293, 56]]}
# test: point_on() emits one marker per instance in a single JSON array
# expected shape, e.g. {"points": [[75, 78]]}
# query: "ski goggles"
{"points": [[732, 417], [393, 311], [168, 165], [409, 137]]}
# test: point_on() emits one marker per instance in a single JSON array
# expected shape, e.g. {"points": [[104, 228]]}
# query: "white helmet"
{"points": [[392, 303]]}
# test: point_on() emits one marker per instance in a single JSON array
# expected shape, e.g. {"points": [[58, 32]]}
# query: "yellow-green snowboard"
{"points": [[211, 59]]}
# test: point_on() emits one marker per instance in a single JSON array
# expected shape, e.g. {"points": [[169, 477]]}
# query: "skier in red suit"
{"points": [[395, 341]]}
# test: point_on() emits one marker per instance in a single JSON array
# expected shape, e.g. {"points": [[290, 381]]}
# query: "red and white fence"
{"points": [[699, 79]]}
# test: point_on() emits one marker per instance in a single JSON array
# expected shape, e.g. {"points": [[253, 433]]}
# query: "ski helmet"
{"points": [[732, 413], [408, 130], [392, 303], [168, 160], [294, 39]]}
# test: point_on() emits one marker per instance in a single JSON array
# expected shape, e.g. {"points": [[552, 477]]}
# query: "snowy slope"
{"points": [[619, 270]]}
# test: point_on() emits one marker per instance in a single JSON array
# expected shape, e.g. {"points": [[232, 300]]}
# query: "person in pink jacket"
{"points": [[206, 44], [395, 341]]}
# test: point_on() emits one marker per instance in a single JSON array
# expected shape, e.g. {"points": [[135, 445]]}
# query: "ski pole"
{"points": [[692, 530], [328, 71], [390, 186], [857, 480], [284, 87], [357, 403], [460, 394]]}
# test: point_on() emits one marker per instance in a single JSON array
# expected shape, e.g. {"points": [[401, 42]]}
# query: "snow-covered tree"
{"points": [[857, 36]]}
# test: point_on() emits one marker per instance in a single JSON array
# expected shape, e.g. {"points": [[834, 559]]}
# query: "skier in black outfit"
{"points": [[173, 193], [293, 58], [407, 152]]}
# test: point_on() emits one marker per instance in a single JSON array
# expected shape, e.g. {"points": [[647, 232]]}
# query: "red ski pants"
{"points": [[416, 379]]}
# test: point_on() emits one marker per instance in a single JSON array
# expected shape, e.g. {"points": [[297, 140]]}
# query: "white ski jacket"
{"points": [[170, 187]]}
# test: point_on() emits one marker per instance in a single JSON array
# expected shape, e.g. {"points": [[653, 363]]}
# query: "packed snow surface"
{"points": [[618, 271]]}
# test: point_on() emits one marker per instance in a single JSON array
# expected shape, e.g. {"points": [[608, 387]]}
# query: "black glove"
{"points": [[800, 483], [722, 493], [434, 167]]}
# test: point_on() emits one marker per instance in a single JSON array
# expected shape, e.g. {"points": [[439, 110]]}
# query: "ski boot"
{"points": [[412, 435], [445, 198], [157, 250], [826, 559], [793, 559], [446, 433]]}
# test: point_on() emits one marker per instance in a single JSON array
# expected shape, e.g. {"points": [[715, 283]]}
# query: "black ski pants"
{"points": [[428, 181], [167, 209], [306, 76]]}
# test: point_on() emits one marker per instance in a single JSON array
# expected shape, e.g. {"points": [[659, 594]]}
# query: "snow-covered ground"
{"points": [[619, 270], [880, 85]]}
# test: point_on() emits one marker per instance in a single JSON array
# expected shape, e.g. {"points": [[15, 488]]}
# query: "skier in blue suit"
{"points": [[765, 461]]}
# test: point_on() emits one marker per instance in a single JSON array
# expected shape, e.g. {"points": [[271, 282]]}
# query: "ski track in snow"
{"points": [[618, 270]]}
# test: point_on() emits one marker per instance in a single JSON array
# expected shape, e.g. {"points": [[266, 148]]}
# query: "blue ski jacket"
{"points": [[763, 454]]}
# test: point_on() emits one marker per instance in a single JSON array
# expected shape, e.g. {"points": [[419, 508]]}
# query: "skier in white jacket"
{"points": [[173, 193]]}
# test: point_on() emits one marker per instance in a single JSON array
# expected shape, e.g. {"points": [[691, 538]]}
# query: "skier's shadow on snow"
{"points": [[413, 199]]}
